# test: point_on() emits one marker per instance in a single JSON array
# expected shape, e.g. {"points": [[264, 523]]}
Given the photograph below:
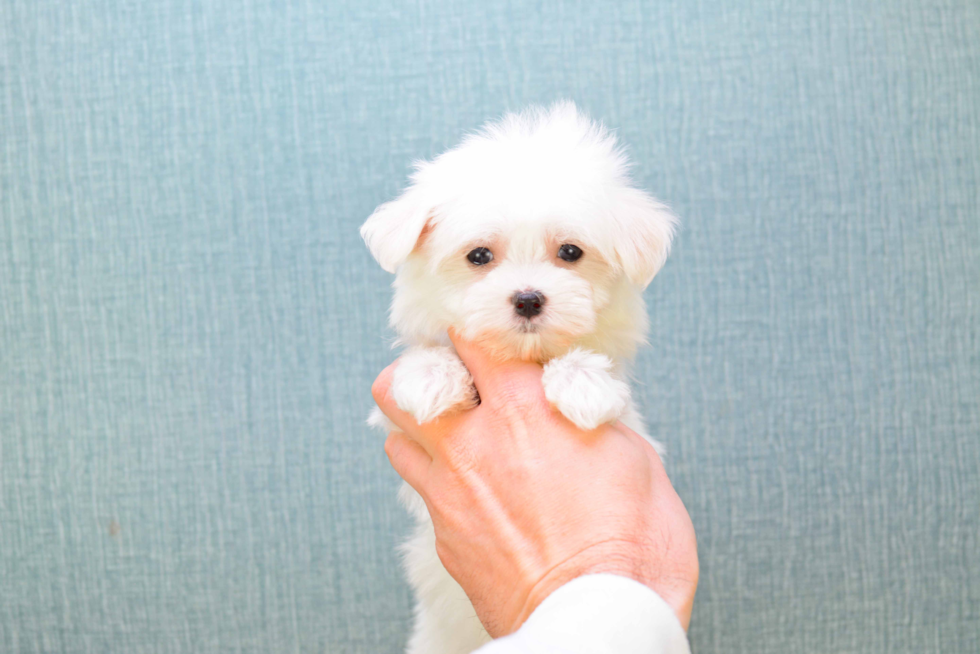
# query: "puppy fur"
{"points": [[522, 188]]}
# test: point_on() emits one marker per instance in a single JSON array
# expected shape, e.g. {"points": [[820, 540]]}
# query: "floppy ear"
{"points": [[393, 230], [646, 228]]}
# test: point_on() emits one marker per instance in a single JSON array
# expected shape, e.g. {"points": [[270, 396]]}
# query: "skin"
{"points": [[523, 501]]}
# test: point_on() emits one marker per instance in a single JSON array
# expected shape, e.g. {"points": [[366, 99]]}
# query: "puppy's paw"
{"points": [[580, 384], [431, 381]]}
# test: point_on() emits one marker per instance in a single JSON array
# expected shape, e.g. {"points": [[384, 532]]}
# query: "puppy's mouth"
{"points": [[527, 339], [528, 327]]}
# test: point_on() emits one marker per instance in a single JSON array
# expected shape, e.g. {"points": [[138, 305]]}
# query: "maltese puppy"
{"points": [[530, 239]]}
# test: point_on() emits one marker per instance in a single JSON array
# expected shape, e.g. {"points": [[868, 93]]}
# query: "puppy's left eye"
{"points": [[570, 252]]}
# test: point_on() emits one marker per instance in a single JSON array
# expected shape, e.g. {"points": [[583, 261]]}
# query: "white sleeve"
{"points": [[597, 614]]}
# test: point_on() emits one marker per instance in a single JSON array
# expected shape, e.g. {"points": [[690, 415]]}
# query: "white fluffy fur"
{"points": [[521, 187], [430, 381], [581, 385]]}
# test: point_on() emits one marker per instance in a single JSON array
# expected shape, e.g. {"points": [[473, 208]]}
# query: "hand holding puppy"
{"points": [[523, 501], [531, 240]]}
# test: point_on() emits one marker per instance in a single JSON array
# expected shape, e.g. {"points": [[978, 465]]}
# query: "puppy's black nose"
{"points": [[528, 303]]}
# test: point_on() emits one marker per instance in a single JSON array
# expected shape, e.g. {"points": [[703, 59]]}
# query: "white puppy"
{"points": [[529, 239]]}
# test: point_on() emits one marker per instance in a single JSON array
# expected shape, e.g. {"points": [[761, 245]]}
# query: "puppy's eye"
{"points": [[480, 256], [570, 252]]}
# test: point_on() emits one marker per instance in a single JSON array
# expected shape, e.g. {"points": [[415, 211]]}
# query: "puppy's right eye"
{"points": [[480, 256]]}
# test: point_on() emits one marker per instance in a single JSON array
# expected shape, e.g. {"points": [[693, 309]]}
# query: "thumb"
{"points": [[487, 369]]}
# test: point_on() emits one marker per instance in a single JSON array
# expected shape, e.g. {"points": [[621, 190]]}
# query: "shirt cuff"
{"points": [[597, 614]]}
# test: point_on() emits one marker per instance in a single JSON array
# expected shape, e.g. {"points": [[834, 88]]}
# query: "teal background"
{"points": [[189, 322]]}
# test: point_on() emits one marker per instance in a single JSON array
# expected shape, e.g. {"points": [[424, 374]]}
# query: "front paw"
{"points": [[431, 381], [581, 386]]}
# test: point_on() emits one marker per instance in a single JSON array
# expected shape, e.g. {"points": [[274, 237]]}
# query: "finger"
{"points": [[409, 459], [381, 390], [488, 371]]}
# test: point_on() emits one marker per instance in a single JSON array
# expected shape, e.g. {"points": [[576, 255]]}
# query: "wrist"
{"points": [[611, 557], [621, 558]]}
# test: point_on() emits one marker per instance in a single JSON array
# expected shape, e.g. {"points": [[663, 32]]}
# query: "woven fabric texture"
{"points": [[189, 322]]}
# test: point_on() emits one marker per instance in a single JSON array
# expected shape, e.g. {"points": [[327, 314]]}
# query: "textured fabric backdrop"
{"points": [[189, 323]]}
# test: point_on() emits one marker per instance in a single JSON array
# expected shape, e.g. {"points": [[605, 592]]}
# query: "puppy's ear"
{"points": [[393, 230], [646, 229]]}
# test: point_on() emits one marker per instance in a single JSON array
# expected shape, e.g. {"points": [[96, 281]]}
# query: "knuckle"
{"points": [[391, 445]]}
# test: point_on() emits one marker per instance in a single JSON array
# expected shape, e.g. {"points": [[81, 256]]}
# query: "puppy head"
{"points": [[528, 237]]}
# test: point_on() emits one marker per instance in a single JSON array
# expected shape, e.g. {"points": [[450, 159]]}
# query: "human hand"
{"points": [[523, 501]]}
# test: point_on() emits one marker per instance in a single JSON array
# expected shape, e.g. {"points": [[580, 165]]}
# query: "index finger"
{"points": [[381, 391], [427, 435]]}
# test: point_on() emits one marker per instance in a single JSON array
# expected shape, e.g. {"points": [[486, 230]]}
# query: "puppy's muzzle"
{"points": [[528, 304]]}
